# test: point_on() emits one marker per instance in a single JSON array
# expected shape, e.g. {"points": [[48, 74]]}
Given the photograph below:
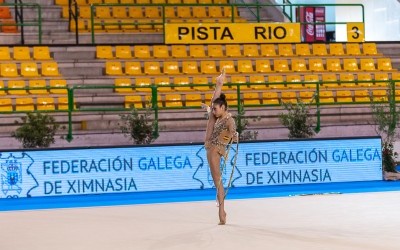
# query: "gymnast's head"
{"points": [[219, 106]]}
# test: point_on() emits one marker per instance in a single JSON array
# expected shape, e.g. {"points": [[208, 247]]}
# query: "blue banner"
{"points": [[160, 168]]}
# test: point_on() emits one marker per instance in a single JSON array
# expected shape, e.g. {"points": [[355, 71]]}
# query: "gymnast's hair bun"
{"points": [[222, 97]]}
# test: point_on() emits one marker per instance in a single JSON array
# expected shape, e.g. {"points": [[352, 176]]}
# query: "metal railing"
{"points": [[155, 97], [19, 9]]}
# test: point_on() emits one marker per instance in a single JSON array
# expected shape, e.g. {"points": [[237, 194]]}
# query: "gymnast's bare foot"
{"points": [[222, 217], [221, 77]]}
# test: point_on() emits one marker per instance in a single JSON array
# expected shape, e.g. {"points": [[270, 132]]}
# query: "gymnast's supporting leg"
{"points": [[214, 161]]}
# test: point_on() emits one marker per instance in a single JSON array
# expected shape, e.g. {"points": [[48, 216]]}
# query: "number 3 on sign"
{"points": [[355, 32]]}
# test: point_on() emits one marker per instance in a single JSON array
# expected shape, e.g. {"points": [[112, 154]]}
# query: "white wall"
{"points": [[381, 20]]}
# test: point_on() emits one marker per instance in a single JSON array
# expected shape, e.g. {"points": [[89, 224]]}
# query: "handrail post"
{"points": [[154, 105], [70, 92], [92, 22], [318, 127]]}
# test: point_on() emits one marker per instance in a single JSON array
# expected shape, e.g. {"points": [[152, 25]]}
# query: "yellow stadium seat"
{"points": [[41, 53], [133, 68], [21, 53], [293, 78], [205, 1], [119, 12], [91, 2], [333, 64], [178, 51], [81, 25], [228, 65], [171, 68], [113, 68], [29, 69], [344, 96], [384, 64], [215, 50], [306, 96], [316, 65], [143, 84], [169, 12], [190, 67], [245, 66], [62, 103], [152, 12], [192, 100], [102, 12], [125, 83], [233, 50], [9, 70], [45, 104], [250, 50], [276, 82], [50, 69], [379, 95], [152, 68], [163, 84], [19, 85], [350, 64], [133, 101], [270, 98], [160, 51], [144, 1], [289, 97], [5, 53], [247, 100], [364, 80], [24, 104], [38, 87], [302, 49], [238, 79], [299, 65], [361, 96], [182, 84], [205, 85], [285, 50], [197, 51], [58, 86], [347, 80], [173, 100], [395, 76], [183, 12], [329, 81], [370, 49], [367, 64], [141, 51], [215, 11], [263, 66], [199, 12], [6, 105], [294, 82], [84, 12], [319, 49], [383, 76], [2, 92], [281, 65], [136, 12], [123, 52], [309, 81], [257, 79], [353, 49], [208, 67], [268, 50], [326, 96], [336, 49], [104, 52], [61, 2]]}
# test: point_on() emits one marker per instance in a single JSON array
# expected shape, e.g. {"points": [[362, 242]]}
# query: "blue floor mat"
{"points": [[194, 195]]}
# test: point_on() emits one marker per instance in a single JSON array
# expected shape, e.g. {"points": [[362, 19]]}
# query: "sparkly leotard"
{"points": [[225, 124]]}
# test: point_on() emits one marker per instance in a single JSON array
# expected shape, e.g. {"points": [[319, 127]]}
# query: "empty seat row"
{"points": [[189, 100], [25, 53], [37, 87], [132, 25], [140, 12], [26, 104], [29, 69], [254, 82], [229, 50], [244, 66], [86, 2]]}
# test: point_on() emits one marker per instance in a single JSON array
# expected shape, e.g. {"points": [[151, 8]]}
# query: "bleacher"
{"points": [[108, 77]]}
